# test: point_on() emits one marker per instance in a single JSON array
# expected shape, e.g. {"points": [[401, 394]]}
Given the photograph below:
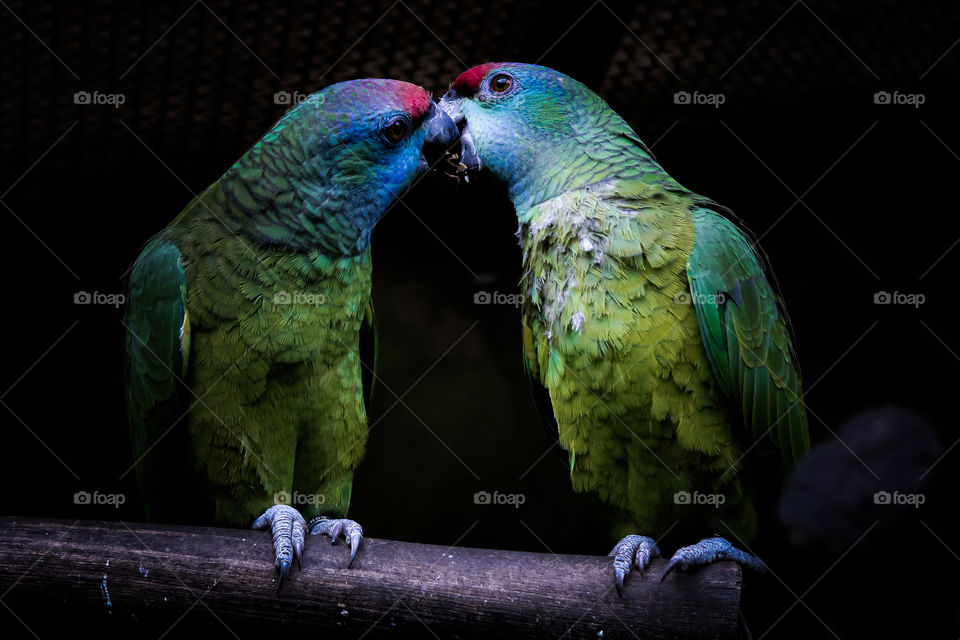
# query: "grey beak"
{"points": [[442, 136], [450, 104], [441, 130]]}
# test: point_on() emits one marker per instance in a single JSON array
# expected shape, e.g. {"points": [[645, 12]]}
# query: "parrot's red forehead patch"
{"points": [[416, 100], [469, 81]]}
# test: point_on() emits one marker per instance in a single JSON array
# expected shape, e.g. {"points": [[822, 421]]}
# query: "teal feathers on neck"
{"points": [[575, 140], [321, 178]]}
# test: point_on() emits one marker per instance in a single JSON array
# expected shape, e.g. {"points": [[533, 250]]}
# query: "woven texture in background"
{"points": [[201, 74]]}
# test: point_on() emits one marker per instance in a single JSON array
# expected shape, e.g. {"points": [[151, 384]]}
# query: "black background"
{"points": [[86, 185]]}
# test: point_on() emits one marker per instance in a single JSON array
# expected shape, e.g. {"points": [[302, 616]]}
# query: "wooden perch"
{"points": [[111, 578]]}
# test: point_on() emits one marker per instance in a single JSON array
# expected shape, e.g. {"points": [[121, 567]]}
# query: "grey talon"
{"points": [[351, 531], [288, 528], [711, 550], [632, 551]]}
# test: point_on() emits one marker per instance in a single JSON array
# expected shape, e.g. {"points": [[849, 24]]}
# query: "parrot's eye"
{"points": [[500, 83], [396, 129]]}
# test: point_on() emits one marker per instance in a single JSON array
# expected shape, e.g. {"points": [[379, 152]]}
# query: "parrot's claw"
{"points": [[351, 531], [630, 551], [289, 529], [710, 550]]}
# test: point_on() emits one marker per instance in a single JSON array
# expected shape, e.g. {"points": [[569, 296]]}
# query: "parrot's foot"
{"points": [[288, 528], [351, 531], [632, 550], [710, 550]]}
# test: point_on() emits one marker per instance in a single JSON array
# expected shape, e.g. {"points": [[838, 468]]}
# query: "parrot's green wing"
{"points": [[539, 393], [157, 345], [369, 353], [746, 335]]}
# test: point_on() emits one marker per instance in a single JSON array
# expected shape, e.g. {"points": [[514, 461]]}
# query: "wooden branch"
{"points": [[115, 578]]}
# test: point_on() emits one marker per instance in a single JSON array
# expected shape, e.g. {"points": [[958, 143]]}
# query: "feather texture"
{"points": [[649, 321], [250, 314]]}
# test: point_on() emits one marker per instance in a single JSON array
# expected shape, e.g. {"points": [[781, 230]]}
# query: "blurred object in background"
{"points": [[873, 470]]}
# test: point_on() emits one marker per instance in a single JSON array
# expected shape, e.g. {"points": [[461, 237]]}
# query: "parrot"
{"points": [[249, 318], [656, 342]]}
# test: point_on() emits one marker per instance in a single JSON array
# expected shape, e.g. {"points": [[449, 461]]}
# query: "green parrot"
{"points": [[249, 320], [652, 333]]}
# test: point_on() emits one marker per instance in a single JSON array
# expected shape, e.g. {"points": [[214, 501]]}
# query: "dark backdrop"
{"points": [[850, 198]]}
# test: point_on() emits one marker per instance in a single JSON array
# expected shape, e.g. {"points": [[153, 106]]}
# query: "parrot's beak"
{"points": [[442, 137], [450, 104]]}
